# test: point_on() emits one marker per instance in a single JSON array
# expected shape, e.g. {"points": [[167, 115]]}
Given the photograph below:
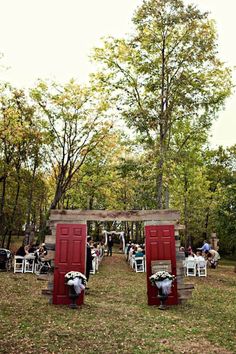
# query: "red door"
{"points": [[160, 245], [69, 255]]}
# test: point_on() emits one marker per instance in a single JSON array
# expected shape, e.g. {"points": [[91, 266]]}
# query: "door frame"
{"points": [[149, 217]]}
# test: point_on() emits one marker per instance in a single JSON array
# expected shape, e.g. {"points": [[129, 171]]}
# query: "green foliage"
{"points": [[76, 123], [22, 138], [64, 145], [165, 76]]}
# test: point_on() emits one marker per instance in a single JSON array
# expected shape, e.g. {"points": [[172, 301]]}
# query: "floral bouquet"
{"points": [[163, 280], [76, 279]]}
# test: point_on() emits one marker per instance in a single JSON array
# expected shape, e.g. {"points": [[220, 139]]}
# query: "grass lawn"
{"points": [[116, 317]]}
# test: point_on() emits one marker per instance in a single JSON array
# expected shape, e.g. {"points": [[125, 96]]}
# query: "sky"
{"points": [[53, 39]]}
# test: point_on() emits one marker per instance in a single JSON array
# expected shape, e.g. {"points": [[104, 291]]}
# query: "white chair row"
{"points": [[95, 264], [24, 264], [195, 268]]}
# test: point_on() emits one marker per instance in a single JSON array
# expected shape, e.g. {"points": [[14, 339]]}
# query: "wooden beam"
{"points": [[109, 215]]}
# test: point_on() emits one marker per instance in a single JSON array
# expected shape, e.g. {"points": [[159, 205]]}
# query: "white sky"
{"points": [[53, 39]]}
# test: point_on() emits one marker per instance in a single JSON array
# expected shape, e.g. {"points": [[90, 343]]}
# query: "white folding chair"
{"points": [[19, 263], [139, 264], [191, 268], [132, 261], [96, 263], [93, 270], [202, 268], [29, 264]]}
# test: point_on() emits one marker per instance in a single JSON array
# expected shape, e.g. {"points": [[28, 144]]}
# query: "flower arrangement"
{"points": [[160, 276], [163, 280], [74, 274], [77, 280]]}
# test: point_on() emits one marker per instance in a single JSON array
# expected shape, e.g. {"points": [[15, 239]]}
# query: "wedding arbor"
{"points": [[68, 242]]}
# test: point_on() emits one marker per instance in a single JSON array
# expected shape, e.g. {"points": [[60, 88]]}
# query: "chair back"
{"points": [[202, 268], [191, 269], [139, 264]]}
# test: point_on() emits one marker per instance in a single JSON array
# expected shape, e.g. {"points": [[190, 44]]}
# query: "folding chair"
{"points": [[19, 263], [139, 264], [202, 268], [29, 264], [191, 268], [93, 270], [132, 261], [42, 267]]}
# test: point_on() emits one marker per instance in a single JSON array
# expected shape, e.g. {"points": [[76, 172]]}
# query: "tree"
{"points": [[20, 136], [190, 193], [221, 207], [166, 72], [76, 125], [203, 190]]}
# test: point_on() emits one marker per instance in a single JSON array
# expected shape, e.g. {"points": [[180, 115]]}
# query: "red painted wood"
{"points": [[160, 245], [69, 255]]}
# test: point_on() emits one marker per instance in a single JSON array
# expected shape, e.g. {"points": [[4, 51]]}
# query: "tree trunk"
{"points": [[167, 198], [10, 227], [162, 132], [28, 228], [56, 198], [132, 231], [2, 204], [186, 212], [31, 189], [159, 183]]}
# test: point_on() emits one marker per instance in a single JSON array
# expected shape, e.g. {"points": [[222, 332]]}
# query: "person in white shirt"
{"points": [[199, 256]]}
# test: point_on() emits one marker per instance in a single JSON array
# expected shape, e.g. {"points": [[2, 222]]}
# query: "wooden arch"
{"points": [[150, 217]]}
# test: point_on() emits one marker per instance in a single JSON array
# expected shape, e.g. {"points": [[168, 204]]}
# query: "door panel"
{"points": [[69, 255], [160, 245]]}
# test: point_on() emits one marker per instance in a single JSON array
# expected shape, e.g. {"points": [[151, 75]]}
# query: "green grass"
{"points": [[228, 261], [116, 318]]}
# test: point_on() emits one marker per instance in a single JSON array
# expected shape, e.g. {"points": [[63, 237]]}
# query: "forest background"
{"points": [[135, 137]]}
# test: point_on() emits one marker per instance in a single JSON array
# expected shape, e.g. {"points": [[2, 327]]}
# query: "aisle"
{"points": [[116, 282]]}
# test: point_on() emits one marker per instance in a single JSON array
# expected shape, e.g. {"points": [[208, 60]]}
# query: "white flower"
{"points": [[161, 276], [70, 276]]}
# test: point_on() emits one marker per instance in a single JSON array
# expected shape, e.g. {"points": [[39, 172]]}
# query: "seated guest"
{"points": [[32, 248], [102, 249], [132, 252], [89, 259], [21, 251], [190, 251], [41, 252], [213, 258], [139, 252], [191, 255], [199, 256], [95, 249]]}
